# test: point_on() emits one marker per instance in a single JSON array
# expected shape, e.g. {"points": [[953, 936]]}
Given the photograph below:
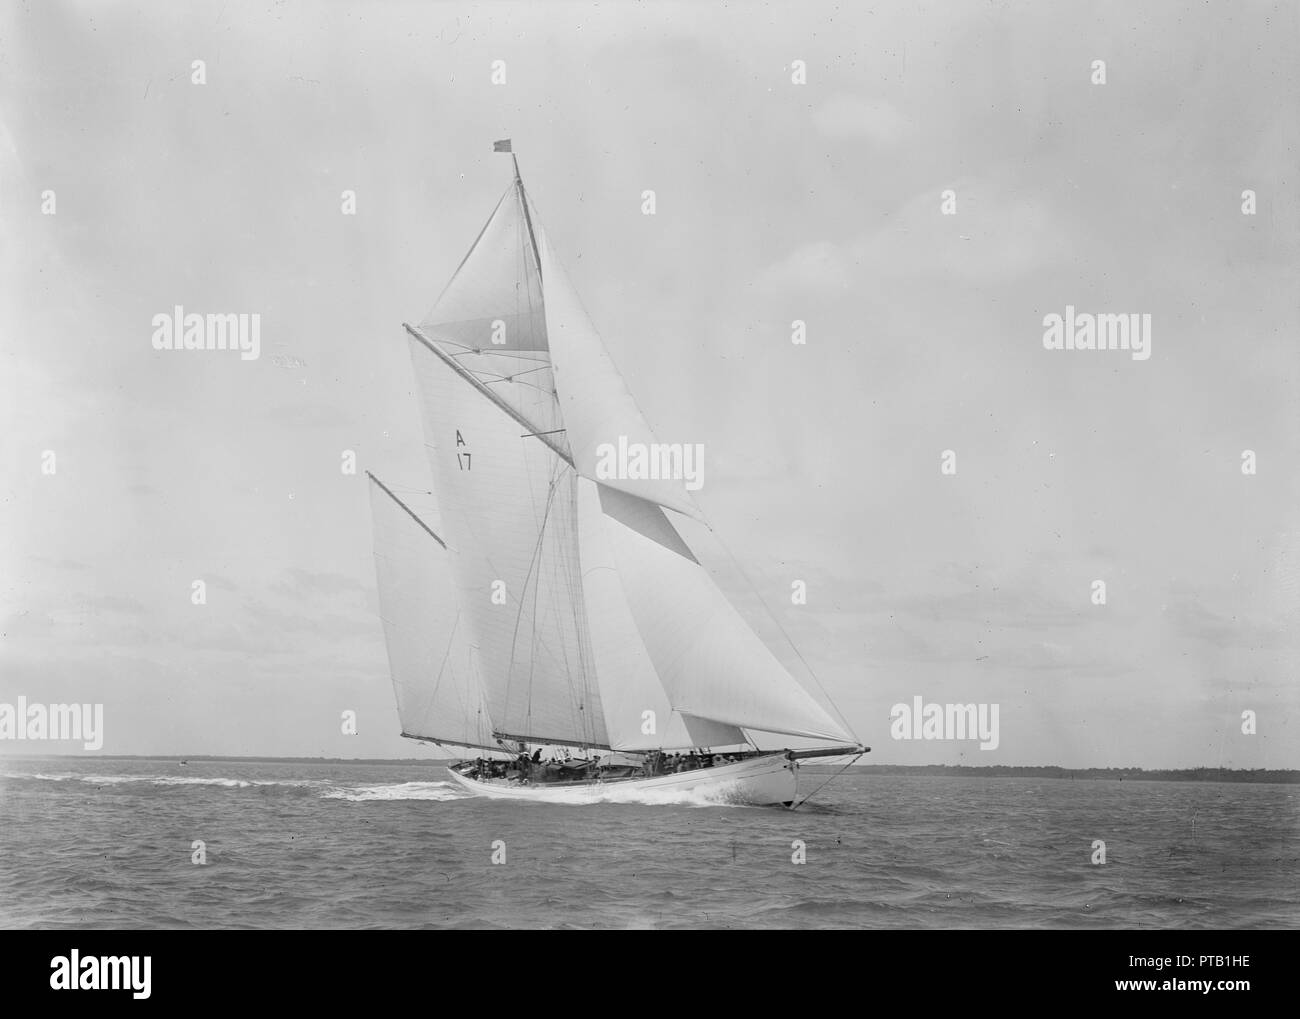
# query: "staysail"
{"points": [[710, 662], [638, 712]]}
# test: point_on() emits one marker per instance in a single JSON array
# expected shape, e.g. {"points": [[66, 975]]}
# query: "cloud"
{"points": [[311, 415], [298, 582], [59, 564], [820, 266], [877, 120], [114, 603], [1022, 607], [998, 235], [1193, 619]]}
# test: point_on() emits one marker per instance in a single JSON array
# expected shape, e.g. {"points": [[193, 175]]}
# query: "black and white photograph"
{"points": [[567, 466]]}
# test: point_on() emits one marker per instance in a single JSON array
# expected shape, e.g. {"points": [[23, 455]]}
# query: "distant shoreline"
{"points": [[1274, 775], [1250, 775]]}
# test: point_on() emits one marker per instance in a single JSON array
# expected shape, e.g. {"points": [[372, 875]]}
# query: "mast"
{"points": [[528, 219]]}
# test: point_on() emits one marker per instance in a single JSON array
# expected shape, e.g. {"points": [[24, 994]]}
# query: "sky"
{"points": [[776, 201]]}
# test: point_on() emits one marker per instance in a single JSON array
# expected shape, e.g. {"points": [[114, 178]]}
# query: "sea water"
{"points": [[140, 843]]}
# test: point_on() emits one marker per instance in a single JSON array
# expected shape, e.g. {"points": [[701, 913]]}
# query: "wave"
{"points": [[168, 780], [398, 791], [716, 796], [445, 791], [231, 783]]}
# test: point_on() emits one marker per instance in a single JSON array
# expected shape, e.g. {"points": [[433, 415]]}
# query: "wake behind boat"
{"points": [[555, 602]]}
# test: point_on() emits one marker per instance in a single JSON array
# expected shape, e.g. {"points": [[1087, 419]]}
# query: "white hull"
{"points": [[761, 781]]}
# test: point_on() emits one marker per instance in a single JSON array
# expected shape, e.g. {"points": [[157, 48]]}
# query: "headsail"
{"points": [[638, 712], [597, 407], [711, 663]]}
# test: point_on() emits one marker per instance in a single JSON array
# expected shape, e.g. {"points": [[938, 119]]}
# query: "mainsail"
{"points": [[570, 601], [508, 506]]}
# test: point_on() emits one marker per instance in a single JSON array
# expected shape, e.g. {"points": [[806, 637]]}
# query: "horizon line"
{"points": [[439, 760]]}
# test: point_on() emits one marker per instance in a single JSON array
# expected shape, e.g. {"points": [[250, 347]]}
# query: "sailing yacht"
{"points": [[547, 605]]}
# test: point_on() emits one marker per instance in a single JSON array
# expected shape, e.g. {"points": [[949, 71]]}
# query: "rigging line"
{"points": [[578, 698], [514, 640], [514, 637], [539, 354], [491, 396], [582, 623], [445, 743], [591, 670], [528, 385], [472, 246], [533, 642], [528, 353], [442, 669], [457, 343], [466, 521], [772, 615], [826, 783], [528, 290], [442, 666], [553, 657], [498, 377], [583, 695], [582, 307], [507, 378]]}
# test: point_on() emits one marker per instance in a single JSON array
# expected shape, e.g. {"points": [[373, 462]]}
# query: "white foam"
{"points": [[227, 783], [43, 778], [331, 789], [709, 796], [400, 791], [646, 797], [230, 783]]}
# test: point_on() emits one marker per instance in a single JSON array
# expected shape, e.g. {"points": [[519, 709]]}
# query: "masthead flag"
{"points": [[501, 146]]}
